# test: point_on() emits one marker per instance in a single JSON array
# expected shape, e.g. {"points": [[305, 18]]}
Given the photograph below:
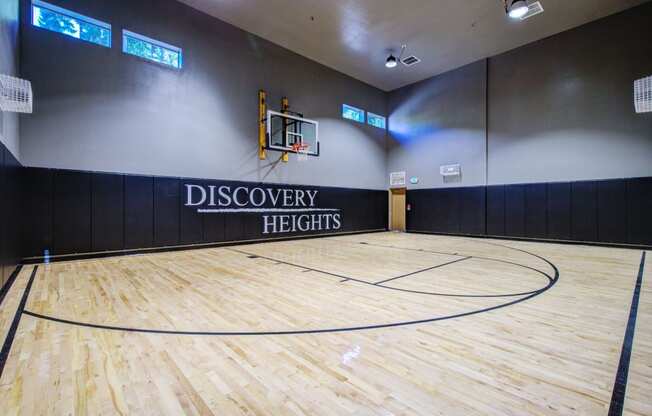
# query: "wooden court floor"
{"points": [[372, 324]]}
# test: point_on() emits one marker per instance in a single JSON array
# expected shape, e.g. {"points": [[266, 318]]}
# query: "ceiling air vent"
{"points": [[533, 9], [411, 60]]}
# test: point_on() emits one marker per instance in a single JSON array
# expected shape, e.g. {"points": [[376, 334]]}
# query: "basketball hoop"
{"points": [[302, 150]]}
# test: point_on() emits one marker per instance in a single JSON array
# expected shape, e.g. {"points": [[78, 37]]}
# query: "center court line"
{"points": [[424, 270]]}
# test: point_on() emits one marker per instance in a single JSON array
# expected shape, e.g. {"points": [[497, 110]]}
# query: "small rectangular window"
{"points": [[69, 23], [151, 49], [376, 120], [352, 113]]}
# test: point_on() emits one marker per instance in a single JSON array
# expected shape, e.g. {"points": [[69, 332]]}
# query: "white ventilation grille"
{"points": [[15, 95], [450, 170], [411, 60], [643, 95], [533, 10]]}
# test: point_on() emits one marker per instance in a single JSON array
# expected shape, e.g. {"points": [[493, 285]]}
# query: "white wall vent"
{"points": [[397, 179], [450, 170], [533, 10], [411, 60], [643, 95]]}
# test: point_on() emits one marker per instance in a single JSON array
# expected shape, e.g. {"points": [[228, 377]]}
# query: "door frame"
{"points": [[392, 192]]}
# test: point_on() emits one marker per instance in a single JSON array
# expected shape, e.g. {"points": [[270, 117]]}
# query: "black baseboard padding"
{"points": [[538, 240], [613, 212]]}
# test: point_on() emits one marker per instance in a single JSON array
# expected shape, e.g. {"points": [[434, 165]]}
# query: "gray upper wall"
{"points": [[437, 122], [563, 108], [558, 109], [9, 65], [99, 109]]}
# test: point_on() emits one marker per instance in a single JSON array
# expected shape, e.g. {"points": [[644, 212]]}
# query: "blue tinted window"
{"points": [[71, 24], [352, 113], [376, 120], [152, 49]]}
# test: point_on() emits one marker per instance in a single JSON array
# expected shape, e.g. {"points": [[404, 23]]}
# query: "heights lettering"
{"points": [[284, 210]]}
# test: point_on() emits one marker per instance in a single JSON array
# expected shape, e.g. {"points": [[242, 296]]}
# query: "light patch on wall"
{"points": [[418, 116]]}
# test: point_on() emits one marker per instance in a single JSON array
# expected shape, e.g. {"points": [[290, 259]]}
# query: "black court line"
{"points": [[421, 271], [421, 250], [277, 261], [9, 340], [553, 281], [416, 292], [620, 385], [9, 283], [365, 243]]}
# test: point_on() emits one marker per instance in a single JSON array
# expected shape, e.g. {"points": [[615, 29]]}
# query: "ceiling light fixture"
{"points": [[392, 61], [516, 8]]}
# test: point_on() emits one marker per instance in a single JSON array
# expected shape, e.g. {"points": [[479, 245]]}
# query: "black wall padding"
{"points": [[639, 208], [418, 214], [108, 212], [496, 210], [72, 212], [584, 211], [68, 212], [192, 223], [612, 211], [536, 210], [139, 211], [515, 210], [617, 211], [10, 214], [472, 209], [3, 215], [447, 210], [38, 211], [559, 211], [166, 211]]}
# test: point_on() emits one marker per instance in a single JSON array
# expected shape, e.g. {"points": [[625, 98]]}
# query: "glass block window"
{"points": [[352, 113], [69, 23], [152, 49]]}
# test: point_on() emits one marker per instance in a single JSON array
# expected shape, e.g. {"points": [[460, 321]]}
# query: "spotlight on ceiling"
{"points": [[516, 8], [391, 62]]}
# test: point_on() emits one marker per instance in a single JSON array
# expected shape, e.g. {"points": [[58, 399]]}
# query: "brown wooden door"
{"points": [[398, 209]]}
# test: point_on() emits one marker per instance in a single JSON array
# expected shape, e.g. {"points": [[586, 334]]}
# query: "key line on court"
{"points": [[296, 265], [421, 271], [551, 280], [9, 340], [420, 250], [620, 385]]}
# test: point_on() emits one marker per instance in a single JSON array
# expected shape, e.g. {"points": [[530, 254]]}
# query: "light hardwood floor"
{"points": [[403, 324]]}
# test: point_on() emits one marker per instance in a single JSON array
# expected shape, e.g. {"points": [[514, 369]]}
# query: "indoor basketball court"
{"points": [[325, 208]]}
